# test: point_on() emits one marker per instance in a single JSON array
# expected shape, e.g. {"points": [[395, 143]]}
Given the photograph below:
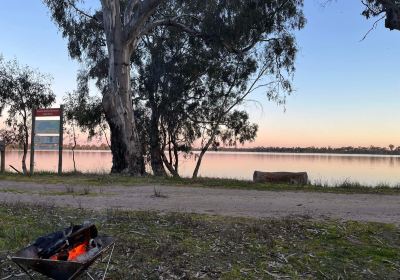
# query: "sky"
{"points": [[347, 91]]}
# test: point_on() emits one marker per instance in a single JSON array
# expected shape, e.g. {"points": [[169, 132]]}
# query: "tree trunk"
{"points": [[117, 100], [25, 152], [155, 147], [74, 146], [169, 166], [202, 153], [25, 145], [198, 163]]}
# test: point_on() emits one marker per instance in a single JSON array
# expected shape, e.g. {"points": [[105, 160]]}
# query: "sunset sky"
{"points": [[347, 90]]}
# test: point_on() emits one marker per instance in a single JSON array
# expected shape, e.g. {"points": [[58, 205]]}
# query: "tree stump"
{"points": [[298, 178]]}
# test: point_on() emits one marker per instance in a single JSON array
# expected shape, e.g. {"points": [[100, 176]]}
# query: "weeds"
{"points": [[86, 190], [69, 189], [158, 194]]}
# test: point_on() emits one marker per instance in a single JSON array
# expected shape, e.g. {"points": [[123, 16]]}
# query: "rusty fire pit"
{"points": [[65, 255]]}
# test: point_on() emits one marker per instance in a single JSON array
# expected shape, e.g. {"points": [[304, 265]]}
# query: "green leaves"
{"points": [[22, 89]]}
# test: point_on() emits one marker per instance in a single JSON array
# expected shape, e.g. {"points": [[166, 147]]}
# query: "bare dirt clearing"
{"points": [[227, 202]]}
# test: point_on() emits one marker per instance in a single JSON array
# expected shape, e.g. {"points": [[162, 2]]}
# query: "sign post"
{"points": [[61, 142], [32, 163], [3, 156], [47, 133]]}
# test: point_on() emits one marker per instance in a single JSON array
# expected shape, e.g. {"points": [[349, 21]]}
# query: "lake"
{"points": [[331, 168]]}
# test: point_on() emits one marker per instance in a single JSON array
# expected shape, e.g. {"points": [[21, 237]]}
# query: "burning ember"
{"points": [[77, 251], [72, 254], [76, 243]]}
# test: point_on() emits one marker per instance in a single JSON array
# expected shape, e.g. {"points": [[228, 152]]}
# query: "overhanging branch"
{"points": [[79, 11]]}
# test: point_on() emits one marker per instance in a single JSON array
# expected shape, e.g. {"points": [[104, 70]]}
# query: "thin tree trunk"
{"points": [[25, 145], [176, 156], [105, 136], [155, 147], [202, 153], [25, 152], [169, 166], [74, 146]]}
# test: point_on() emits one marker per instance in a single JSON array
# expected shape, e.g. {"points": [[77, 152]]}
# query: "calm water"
{"points": [[369, 170]]}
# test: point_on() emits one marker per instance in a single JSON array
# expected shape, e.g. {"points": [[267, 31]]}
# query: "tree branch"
{"points": [[373, 27], [145, 9], [79, 11]]}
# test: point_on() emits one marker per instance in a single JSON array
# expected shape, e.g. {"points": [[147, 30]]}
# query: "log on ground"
{"points": [[298, 178]]}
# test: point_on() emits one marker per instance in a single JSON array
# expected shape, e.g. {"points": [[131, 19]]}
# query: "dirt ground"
{"points": [[241, 203]]}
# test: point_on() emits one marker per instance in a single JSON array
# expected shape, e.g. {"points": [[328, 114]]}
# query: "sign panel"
{"points": [[54, 112], [46, 147], [47, 127], [47, 140]]}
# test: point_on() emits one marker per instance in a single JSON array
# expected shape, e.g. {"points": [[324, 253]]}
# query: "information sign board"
{"points": [[53, 112], [46, 143], [47, 134], [47, 127], [47, 140]]}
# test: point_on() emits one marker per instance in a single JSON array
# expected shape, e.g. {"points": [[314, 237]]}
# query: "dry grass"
{"points": [[183, 246]]}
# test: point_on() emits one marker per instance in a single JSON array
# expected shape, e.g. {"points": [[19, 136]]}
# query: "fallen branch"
{"points": [[16, 170]]}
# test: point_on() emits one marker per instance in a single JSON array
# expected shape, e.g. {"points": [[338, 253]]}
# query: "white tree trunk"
{"points": [[117, 101]]}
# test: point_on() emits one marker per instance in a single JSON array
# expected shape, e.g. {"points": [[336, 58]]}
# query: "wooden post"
{"points": [[3, 157], [32, 159], [60, 143]]}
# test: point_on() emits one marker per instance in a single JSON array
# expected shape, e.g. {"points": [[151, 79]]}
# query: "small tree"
{"points": [[22, 89], [391, 147], [70, 105]]}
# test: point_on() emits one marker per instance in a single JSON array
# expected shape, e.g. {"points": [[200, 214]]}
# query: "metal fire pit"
{"points": [[28, 259]]}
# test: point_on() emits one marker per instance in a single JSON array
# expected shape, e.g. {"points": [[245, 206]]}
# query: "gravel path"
{"points": [[246, 203]]}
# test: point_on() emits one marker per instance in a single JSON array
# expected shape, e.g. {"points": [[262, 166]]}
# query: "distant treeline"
{"points": [[102, 146], [390, 150], [68, 147]]}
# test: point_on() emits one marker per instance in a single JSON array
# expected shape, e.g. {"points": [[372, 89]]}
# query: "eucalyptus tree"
{"points": [[106, 40], [22, 89], [389, 10], [191, 92], [193, 89]]}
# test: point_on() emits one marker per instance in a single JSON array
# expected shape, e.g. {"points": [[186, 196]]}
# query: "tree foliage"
{"points": [[383, 9], [192, 64], [21, 90]]}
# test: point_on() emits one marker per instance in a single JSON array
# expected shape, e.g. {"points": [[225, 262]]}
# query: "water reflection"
{"points": [[366, 169]]}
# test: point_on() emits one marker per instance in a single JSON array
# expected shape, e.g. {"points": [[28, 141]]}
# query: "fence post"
{"points": [[60, 144]]}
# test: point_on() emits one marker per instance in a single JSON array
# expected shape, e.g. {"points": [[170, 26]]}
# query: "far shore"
{"points": [[382, 153]]}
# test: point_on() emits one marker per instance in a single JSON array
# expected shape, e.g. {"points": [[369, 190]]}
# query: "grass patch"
{"points": [[101, 180], [83, 192], [186, 246]]}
